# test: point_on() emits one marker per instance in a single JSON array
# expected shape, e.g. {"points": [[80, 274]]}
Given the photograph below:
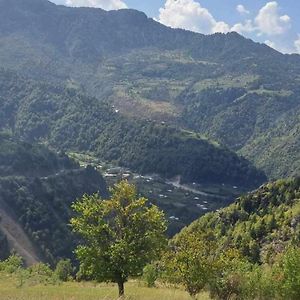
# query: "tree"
{"points": [[290, 266], [190, 262], [121, 234], [229, 275]]}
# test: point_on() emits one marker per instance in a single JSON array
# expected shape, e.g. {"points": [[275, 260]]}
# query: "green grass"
{"points": [[87, 291], [226, 81]]}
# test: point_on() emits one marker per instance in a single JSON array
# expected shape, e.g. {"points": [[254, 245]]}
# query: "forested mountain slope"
{"points": [[67, 120], [15, 239], [36, 194], [240, 93], [260, 224], [22, 159]]}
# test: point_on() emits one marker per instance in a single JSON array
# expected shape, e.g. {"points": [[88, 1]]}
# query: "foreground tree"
{"points": [[121, 235], [289, 269], [190, 262]]}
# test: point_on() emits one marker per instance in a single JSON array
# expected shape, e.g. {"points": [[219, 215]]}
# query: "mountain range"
{"points": [[67, 120], [209, 109], [242, 94]]}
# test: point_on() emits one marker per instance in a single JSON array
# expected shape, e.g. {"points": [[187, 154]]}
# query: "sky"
{"points": [[276, 23]]}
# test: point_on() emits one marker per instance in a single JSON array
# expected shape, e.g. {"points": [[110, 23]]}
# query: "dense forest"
{"points": [[67, 120], [4, 248], [259, 224], [29, 160], [240, 93], [203, 117], [208, 259], [37, 188]]}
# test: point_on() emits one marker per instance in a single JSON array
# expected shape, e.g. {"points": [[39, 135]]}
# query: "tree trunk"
{"points": [[121, 289]]}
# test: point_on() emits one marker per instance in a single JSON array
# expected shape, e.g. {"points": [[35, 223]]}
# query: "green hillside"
{"points": [[67, 120], [27, 160], [240, 93], [37, 188], [260, 224]]}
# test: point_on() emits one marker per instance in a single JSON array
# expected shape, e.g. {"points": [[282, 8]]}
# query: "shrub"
{"points": [[229, 277], [64, 270], [11, 264], [259, 283], [291, 274], [150, 274], [41, 273], [189, 262]]}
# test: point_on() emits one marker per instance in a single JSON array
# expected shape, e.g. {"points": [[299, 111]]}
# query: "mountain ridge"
{"points": [[149, 71]]}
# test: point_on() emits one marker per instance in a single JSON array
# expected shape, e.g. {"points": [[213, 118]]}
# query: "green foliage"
{"points": [[12, 264], [39, 187], [67, 120], [258, 223], [190, 262], [24, 159], [290, 264], [262, 124], [4, 248], [257, 251], [121, 234], [41, 269], [260, 282], [229, 275], [64, 270], [37, 274], [150, 274], [243, 94]]}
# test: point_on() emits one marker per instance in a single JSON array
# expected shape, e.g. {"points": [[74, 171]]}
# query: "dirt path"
{"points": [[17, 238]]}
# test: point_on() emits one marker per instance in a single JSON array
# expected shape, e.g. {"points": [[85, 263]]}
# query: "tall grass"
{"points": [[9, 290]]}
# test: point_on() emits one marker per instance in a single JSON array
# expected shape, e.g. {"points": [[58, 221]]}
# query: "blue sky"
{"points": [[276, 23]]}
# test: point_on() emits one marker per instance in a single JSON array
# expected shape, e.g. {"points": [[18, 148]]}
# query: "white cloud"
{"points": [[281, 46], [221, 27], [104, 4], [270, 22], [247, 27], [297, 44], [270, 44], [242, 9], [190, 15]]}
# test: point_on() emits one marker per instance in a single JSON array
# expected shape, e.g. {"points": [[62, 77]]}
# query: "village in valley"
{"points": [[182, 202]]}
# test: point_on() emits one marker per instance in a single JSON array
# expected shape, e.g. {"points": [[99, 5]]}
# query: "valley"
{"points": [[135, 157], [182, 203], [222, 86]]}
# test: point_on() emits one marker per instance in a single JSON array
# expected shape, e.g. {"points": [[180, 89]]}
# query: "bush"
{"points": [[229, 275], [41, 274], [190, 262], [259, 283], [150, 275], [291, 274], [11, 264], [64, 270]]}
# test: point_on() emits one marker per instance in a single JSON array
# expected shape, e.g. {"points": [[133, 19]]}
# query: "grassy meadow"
{"points": [[10, 290]]}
